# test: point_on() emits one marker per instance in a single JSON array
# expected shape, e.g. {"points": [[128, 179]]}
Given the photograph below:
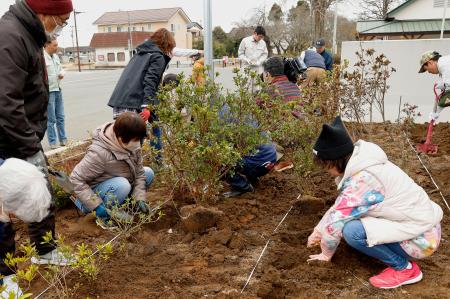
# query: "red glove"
{"points": [[145, 114]]}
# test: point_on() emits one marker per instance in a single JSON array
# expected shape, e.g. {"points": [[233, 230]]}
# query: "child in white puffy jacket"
{"points": [[380, 210]]}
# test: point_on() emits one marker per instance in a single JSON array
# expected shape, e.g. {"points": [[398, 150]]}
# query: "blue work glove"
{"points": [[101, 212], [143, 207]]}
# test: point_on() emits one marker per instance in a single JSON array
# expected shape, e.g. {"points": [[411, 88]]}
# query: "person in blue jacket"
{"points": [[251, 167], [320, 48]]}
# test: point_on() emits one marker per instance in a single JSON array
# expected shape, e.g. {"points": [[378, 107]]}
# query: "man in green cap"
{"points": [[434, 63]]}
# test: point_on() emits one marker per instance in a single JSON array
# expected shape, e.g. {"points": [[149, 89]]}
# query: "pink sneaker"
{"points": [[390, 278]]}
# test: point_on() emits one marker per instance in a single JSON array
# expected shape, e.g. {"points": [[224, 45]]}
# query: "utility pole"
{"points": [[130, 36], [207, 13], [334, 49], [443, 18], [72, 28], [76, 37], [311, 15]]}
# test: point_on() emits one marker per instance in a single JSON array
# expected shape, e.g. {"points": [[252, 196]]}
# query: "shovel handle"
{"points": [[437, 97]]}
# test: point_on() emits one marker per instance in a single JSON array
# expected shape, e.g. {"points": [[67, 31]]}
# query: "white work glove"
{"points": [[440, 86], [434, 116]]}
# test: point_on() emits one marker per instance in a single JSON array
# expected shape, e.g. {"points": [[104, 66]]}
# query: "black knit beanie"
{"points": [[333, 142]]}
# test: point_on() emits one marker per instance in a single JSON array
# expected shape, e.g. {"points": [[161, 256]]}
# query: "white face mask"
{"points": [[133, 146], [56, 32]]}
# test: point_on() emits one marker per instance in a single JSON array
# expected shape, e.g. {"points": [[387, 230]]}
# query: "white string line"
{"points": [[265, 247], [256, 265], [426, 169], [282, 220]]}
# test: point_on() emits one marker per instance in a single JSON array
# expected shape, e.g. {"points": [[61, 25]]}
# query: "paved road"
{"points": [[86, 95]]}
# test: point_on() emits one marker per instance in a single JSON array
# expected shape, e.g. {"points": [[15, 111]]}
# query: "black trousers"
{"points": [[36, 231]]}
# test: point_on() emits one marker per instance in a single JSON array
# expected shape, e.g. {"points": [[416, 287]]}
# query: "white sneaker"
{"points": [[11, 287], [53, 258]]}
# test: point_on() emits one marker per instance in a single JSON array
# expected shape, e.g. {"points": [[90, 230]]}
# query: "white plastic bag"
{"points": [[23, 191]]}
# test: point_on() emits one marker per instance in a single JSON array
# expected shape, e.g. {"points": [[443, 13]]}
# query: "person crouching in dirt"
{"points": [[251, 167], [380, 210], [112, 170], [279, 85], [434, 63], [23, 193]]}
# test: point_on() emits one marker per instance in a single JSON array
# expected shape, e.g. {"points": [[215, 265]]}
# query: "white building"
{"points": [[117, 30], [414, 19], [112, 49]]}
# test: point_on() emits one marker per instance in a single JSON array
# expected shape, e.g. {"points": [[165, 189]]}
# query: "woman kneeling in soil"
{"points": [[112, 170], [380, 210]]}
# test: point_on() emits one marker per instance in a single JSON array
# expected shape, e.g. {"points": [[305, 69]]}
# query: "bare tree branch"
{"points": [[376, 9]]}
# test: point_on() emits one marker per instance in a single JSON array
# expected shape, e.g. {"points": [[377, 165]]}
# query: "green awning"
{"points": [[401, 27]]}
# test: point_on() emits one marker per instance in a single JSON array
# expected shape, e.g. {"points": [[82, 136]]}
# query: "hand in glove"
{"points": [[145, 114], [319, 257], [101, 212], [314, 239], [434, 116], [143, 207], [440, 86]]}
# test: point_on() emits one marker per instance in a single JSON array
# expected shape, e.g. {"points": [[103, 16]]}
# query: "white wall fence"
{"points": [[414, 88]]}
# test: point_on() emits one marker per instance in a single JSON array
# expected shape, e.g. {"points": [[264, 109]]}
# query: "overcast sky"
{"points": [[225, 12]]}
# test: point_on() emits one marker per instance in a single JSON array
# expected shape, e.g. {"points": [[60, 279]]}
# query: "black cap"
{"points": [[320, 43], [333, 142]]}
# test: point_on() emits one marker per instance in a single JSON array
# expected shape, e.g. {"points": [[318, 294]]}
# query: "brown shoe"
{"points": [[283, 165]]}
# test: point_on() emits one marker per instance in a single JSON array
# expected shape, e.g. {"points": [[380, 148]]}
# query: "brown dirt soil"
{"points": [[182, 264]]}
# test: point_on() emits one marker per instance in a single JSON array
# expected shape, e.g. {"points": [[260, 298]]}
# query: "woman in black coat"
{"points": [[138, 86]]}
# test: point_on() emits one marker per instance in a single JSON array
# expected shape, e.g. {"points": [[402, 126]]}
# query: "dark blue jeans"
{"points": [[156, 141], [391, 254], [245, 172]]}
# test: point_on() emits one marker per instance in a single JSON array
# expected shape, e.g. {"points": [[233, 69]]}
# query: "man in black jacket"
{"points": [[24, 29]]}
